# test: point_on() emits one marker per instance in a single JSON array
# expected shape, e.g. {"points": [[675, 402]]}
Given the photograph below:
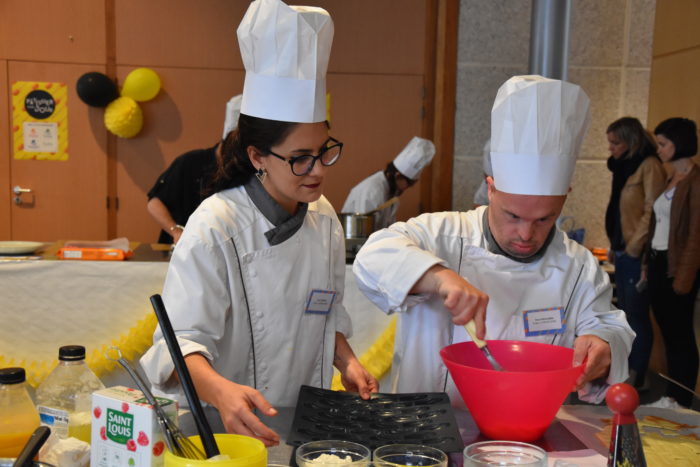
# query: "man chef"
{"points": [[505, 265], [399, 175]]}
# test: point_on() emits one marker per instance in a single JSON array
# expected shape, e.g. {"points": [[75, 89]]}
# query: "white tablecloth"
{"points": [[46, 304]]}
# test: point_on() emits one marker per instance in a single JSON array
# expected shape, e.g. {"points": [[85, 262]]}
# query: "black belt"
{"points": [[653, 254]]}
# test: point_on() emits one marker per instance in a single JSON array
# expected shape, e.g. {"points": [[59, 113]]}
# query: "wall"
{"points": [[610, 58], [675, 69], [377, 80]]}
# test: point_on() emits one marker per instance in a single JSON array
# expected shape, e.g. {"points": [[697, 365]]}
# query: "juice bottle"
{"points": [[19, 416], [64, 398]]}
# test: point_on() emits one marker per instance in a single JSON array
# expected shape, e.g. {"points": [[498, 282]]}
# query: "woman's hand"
{"points": [[235, 402], [235, 405], [352, 374], [356, 378]]}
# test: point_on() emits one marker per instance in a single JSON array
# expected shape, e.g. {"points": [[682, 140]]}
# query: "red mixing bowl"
{"points": [[520, 403]]}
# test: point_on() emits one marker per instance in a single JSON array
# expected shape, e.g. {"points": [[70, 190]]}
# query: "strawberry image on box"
{"points": [[125, 430]]}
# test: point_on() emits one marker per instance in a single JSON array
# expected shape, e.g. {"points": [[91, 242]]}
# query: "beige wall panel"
{"points": [[377, 36], [70, 196], [676, 25], [53, 31], [178, 33], [203, 34], [375, 116], [675, 85], [187, 114], [5, 148]]}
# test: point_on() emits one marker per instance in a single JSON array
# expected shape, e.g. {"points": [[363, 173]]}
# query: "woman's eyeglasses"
{"points": [[303, 164]]}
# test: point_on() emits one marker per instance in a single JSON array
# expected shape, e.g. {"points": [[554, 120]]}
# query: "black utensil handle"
{"points": [[203, 427], [35, 442]]}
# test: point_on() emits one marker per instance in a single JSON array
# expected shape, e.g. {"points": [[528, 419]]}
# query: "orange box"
{"points": [[94, 254]]}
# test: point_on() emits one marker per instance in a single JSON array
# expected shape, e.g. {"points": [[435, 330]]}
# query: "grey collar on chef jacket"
{"points": [[286, 224], [494, 247]]}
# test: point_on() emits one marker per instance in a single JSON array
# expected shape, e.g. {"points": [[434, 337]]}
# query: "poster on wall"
{"points": [[40, 120]]}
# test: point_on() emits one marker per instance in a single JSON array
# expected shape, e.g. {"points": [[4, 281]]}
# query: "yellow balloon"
{"points": [[142, 84], [123, 117]]}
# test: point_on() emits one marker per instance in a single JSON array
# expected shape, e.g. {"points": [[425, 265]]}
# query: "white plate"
{"points": [[19, 248]]}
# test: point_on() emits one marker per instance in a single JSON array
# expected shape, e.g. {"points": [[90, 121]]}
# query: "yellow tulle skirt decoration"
{"points": [[377, 359]]}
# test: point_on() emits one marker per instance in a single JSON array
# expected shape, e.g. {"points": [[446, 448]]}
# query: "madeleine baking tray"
{"points": [[415, 418]]}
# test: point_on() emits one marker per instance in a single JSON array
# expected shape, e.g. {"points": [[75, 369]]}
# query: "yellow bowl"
{"points": [[243, 450]]}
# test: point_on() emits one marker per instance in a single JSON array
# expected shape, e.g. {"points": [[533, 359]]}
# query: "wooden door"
{"points": [[5, 150], [68, 199]]}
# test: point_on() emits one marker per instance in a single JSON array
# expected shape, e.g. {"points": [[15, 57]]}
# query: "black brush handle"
{"points": [[35, 442], [183, 373]]}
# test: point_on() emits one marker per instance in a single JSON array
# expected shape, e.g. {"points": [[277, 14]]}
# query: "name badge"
{"points": [[546, 321], [320, 301]]}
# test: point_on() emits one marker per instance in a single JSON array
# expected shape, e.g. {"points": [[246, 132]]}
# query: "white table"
{"points": [[45, 304]]}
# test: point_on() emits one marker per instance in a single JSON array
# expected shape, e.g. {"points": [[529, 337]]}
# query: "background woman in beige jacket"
{"points": [[638, 179]]}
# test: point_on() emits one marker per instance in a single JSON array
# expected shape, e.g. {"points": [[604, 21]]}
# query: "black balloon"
{"points": [[96, 89]]}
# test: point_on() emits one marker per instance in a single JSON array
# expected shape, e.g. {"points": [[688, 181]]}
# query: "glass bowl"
{"points": [[504, 453], [332, 453], [393, 455]]}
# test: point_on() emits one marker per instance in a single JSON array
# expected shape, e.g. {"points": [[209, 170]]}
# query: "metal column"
{"points": [[549, 38]]}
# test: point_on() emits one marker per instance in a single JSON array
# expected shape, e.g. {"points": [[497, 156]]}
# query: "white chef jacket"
{"points": [[241, 302], [392, 260], [369, 194]]}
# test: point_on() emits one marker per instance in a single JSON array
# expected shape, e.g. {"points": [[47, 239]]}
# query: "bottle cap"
{"points": [[12, 375], [71, 353]]}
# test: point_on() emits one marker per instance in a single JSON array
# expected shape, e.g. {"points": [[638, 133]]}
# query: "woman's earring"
{"points": [[261, 173]]}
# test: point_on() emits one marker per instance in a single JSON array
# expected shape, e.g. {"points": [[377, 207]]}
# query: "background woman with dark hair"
{"points": [[638, 179], [399, 175], [255, 284], [674, 254]]}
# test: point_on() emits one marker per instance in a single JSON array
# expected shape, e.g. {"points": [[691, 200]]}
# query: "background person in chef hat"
{"points": [[506, 264], [179, 190], [255, 285], [400, 174], [481, 196]]}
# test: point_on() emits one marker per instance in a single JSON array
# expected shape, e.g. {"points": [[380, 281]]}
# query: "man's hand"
{"points": [[464, 301], [597, 355]]}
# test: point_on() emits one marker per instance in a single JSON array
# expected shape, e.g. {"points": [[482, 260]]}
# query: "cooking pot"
{"points": [[356, 225]]}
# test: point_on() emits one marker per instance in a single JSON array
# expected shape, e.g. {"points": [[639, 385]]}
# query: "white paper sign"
{"points": [[40, 137]]}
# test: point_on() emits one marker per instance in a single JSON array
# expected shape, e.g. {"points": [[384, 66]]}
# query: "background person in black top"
{"points": [[179, 190]]}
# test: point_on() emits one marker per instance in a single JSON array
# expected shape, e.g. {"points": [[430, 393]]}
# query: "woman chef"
{"points": [[255, 286], [400, 174]]}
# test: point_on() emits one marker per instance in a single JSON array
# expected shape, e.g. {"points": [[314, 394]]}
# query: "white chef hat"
{"points": [[285, 52], [233, 111], [414, 157], [537, 126]]}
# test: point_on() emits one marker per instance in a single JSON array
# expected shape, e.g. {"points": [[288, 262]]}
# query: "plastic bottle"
{"points": [[19, 417], [64, 398]]}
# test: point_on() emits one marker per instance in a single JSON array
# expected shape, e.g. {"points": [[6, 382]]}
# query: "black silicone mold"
{"points": [[415, 418]]}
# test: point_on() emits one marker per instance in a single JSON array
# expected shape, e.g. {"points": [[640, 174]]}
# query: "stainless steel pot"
{"points": [[356, 226]]}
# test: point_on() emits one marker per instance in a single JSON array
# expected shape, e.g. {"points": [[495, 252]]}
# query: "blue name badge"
{"points": [[545, 321], [320, 301]]}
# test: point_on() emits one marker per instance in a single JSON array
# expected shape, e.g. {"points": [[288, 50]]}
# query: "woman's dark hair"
{"points": [[683, 133], [390, 173], [234, 167], [631, 132]]}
